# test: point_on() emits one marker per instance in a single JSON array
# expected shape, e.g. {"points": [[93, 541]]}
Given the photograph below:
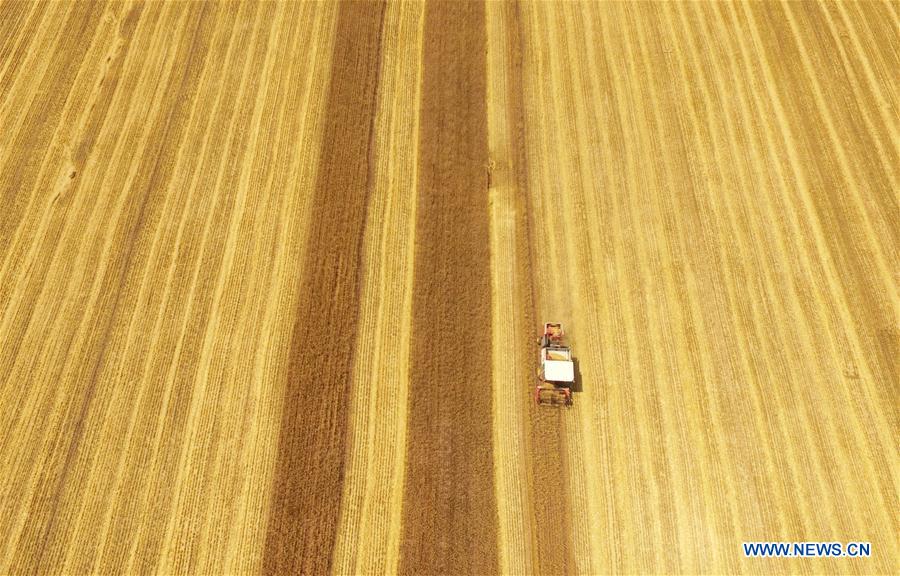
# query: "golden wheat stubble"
{"points": [[47, 534], [306, 502], [449, 513], [546, 432], [30, 144]]}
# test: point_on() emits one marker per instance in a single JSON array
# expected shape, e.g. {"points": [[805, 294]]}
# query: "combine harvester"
{"points": [[557, 372]]}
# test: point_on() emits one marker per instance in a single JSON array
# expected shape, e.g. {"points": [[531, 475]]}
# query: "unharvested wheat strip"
{"points": [[77, 229], [182, 524], [58, 167], [837, 294], [515, 541], [457, 530], [884, 105], [874, 225], [371, 510]]}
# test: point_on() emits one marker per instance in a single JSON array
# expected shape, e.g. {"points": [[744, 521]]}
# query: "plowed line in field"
{"points": [[449, 518], [308, 480]]}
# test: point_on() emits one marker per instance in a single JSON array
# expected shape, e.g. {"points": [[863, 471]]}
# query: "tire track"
{"points": [[306, 501], [450, 522]]}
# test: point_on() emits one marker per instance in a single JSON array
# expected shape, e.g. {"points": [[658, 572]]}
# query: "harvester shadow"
{"points": [[576, 385]]}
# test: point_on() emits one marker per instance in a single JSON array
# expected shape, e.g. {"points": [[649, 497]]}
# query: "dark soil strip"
{"points": [[546, 438], [449, 515], [309, 474]]}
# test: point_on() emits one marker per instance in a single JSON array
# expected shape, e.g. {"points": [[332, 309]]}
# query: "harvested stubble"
{"points": [[270, 274]]}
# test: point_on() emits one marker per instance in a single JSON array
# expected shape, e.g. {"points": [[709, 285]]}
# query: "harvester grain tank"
{"points": [[557, 371]]}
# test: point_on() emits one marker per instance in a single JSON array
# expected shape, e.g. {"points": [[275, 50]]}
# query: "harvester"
{"points": [[557, 371]]}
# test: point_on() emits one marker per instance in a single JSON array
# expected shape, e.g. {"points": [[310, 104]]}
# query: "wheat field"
{"points": [[271, 276]]}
